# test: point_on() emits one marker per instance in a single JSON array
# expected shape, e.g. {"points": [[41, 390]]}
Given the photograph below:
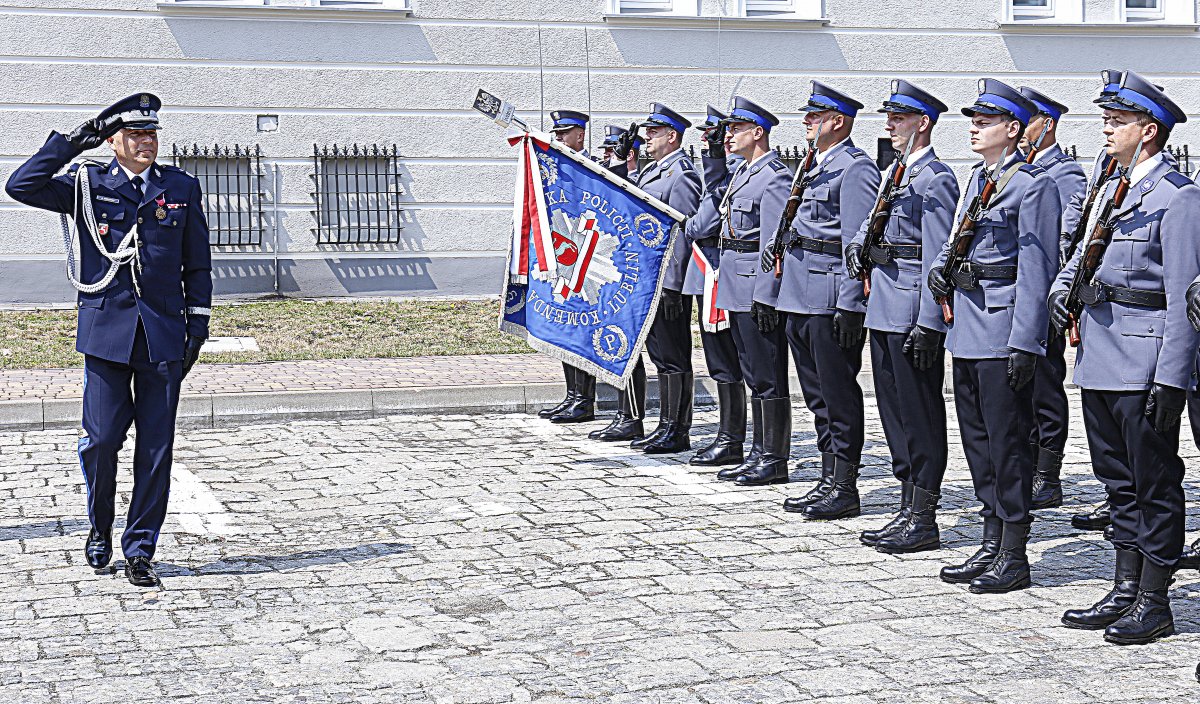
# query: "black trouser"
{"points": [[721, 356], [1142, 471], [994, 422], [829, 380], [670, 341], [912, 410], [763, 358], [1051, 411]]}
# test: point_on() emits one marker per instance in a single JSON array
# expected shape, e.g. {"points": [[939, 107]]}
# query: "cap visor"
{"points": [[141, 126], [896, 107]]}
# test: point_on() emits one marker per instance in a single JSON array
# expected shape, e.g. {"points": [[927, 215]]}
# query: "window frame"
{"points": [[649, 8]]}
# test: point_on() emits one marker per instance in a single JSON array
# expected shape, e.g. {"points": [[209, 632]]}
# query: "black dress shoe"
{"points": [[772, 467], [1010, 570], [1096, 519], [1117, 602], [1047, 483], [140, 572], [920, 532], [1108, 532], [727, 448], [978, 563], [1149, 618], [871, 538], [842, 499], [98, 549], [679, 398], [797, 504], [1189, 559], [582, 407], [622, 428]]}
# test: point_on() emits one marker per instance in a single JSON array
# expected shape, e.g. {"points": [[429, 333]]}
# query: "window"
{"points": [[357, 189], [1025, 9], [1161, 11], [654, 7], [1048, 11], [1144, 9], [780, 8], [731, 9], [231, 180]]}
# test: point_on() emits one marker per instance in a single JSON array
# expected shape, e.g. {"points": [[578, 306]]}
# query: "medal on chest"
{"points": [[161, 211]]}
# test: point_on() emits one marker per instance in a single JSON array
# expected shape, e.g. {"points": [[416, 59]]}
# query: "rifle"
{"points": [[799, 183], [965, 233], [877, 222], [1097, 243], [1086, 213]]}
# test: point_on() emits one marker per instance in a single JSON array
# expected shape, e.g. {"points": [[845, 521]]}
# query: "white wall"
{"points": [[390, 78]]}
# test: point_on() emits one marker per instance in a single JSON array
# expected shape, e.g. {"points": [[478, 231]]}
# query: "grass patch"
{"points": [[292, 329]]}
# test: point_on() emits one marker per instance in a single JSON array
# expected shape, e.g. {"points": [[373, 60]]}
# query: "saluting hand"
{"points": [[625, 142], [93, 132], [715, 138]]}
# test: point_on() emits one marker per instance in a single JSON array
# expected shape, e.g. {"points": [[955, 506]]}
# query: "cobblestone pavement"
{"points": [[501, 558]]}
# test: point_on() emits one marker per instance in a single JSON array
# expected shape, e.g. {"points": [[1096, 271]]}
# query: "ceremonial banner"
{"points": [[587, 260]]}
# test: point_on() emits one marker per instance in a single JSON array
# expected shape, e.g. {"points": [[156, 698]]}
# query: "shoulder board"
{"points": [[1176, 179], [778, 165], [1033, 169], [686, 164], [175, 170], [856, 152], [938, 166]]}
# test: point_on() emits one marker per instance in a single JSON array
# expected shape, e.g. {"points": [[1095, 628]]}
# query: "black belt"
{"points": [[885, 253], [1092, 294], [812, 244], [709, 242], [740, 245], [969, 274]]}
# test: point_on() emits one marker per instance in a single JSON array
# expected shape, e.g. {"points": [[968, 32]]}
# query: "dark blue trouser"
{"points": [[1142, 472], [670, 341], [912, 410], [829, 380], [763, 358], [115, 396], [721, 355], [994, 422], [1051, 411]]}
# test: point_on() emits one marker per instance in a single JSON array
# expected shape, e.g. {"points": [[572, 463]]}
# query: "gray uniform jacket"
{"points": [[1021, 228], [922, 214], [750, 212], [1071, 183], [705, 225], [1155, 247], [840, 195], [674, 181]]}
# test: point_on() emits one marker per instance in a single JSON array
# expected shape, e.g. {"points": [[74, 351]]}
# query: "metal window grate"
{"points": [[357, 190], [231, 179], [1182, 157]]}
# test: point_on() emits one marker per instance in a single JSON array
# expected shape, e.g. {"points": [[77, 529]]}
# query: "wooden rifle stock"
{"points": [[1086, 213], [793, 204], [965, 233], [877, 221]]}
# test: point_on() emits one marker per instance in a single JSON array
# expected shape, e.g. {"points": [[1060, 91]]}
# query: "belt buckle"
{"points": [[1092, 294], [880, 254], [965, 277]]}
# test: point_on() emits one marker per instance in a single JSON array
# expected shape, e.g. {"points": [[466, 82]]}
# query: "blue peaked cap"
{"points": [[712, 120], [743, 110], [666, 117], [999, 98], [825, 98], [1136, 94], [909, 98], [614, 133], [1045, 105], [566, 119]]}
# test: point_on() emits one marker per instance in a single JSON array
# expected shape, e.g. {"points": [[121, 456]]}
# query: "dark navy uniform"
{"points": [[902, 316], [1051, 411], [132, 333]]}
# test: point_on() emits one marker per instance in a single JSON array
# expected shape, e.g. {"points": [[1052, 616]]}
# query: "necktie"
{"points": [[137, 184]]}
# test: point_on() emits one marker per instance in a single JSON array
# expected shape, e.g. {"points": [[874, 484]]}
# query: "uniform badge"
{"points": [[102, 228], [1147, 185], [161, 211]]}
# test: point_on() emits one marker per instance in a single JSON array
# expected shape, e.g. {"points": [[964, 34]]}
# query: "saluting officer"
{"points": [[612, 139], [144, 307], [579, 405], [908, 357], [703, 231], [1137, 362], [1051, 410], [827, 308], [673, 179], [998, 331], [750, 214]]}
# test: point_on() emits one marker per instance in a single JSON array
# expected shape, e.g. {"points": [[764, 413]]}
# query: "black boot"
{"points": [[583, 407], [1189, 559], [1149, 618], [842, 499], [920, 532], [1116, 602], [772, 467], [569, 373], [663, 411], [678, 434], [1096, 519], [1047, 485], [978, 563], [627, 424], [98, 549], [1010, 570], [731, 433], [797, 504], [870, 538], [756, 444]]}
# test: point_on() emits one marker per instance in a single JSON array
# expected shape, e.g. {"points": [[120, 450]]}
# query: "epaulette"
{"points": [[175, 169], [1032, 169], [939, 167], [1177, 179], [856, 152], [778, 166], [686, 164]]}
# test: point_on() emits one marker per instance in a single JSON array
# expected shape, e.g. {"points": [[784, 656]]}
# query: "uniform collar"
{"points": [[1142, 179], [1048, 155], [1143, 169], [823, 155], [657, 166]]}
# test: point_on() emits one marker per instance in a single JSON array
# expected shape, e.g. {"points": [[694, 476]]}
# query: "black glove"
{"points": [[767, 258], [854, 267], [848, 328], [1165, 406], [1060, 317], [765, 316], [672, 304], [716, 141], [93, 132], [1193, 303], [625, 143], [938, 285], [922, 345], [1020, 368], [191, 352]]}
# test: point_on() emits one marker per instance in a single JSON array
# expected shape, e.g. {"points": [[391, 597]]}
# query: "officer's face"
{"points": [[660, 141], [573, 138], [1034, 131], [1123, 131], [903, 125], [812, 120], [992, 133], [135, 147], [740, 138]]}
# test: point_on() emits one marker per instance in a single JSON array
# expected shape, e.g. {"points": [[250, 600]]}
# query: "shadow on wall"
{"points": [[1078, 53], [313, 40], [738, 49]]}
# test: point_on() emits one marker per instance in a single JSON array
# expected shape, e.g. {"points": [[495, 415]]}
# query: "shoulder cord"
{"points": [[127, 251]]}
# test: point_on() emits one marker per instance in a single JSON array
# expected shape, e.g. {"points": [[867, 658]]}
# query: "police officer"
{"points": [[673, 179], [144, 307], [1051, 410], [827, 308], [612, 139], [579, 405], [1137, 362], [703, 231], [999, 330], [907, 330], [750, 210]]}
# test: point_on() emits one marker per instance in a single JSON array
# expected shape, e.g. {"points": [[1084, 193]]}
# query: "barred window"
{"points": [[231, 179], [357, 192]]}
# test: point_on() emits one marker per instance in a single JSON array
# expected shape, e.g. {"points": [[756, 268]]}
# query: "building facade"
{"points": [[342, 155]]}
